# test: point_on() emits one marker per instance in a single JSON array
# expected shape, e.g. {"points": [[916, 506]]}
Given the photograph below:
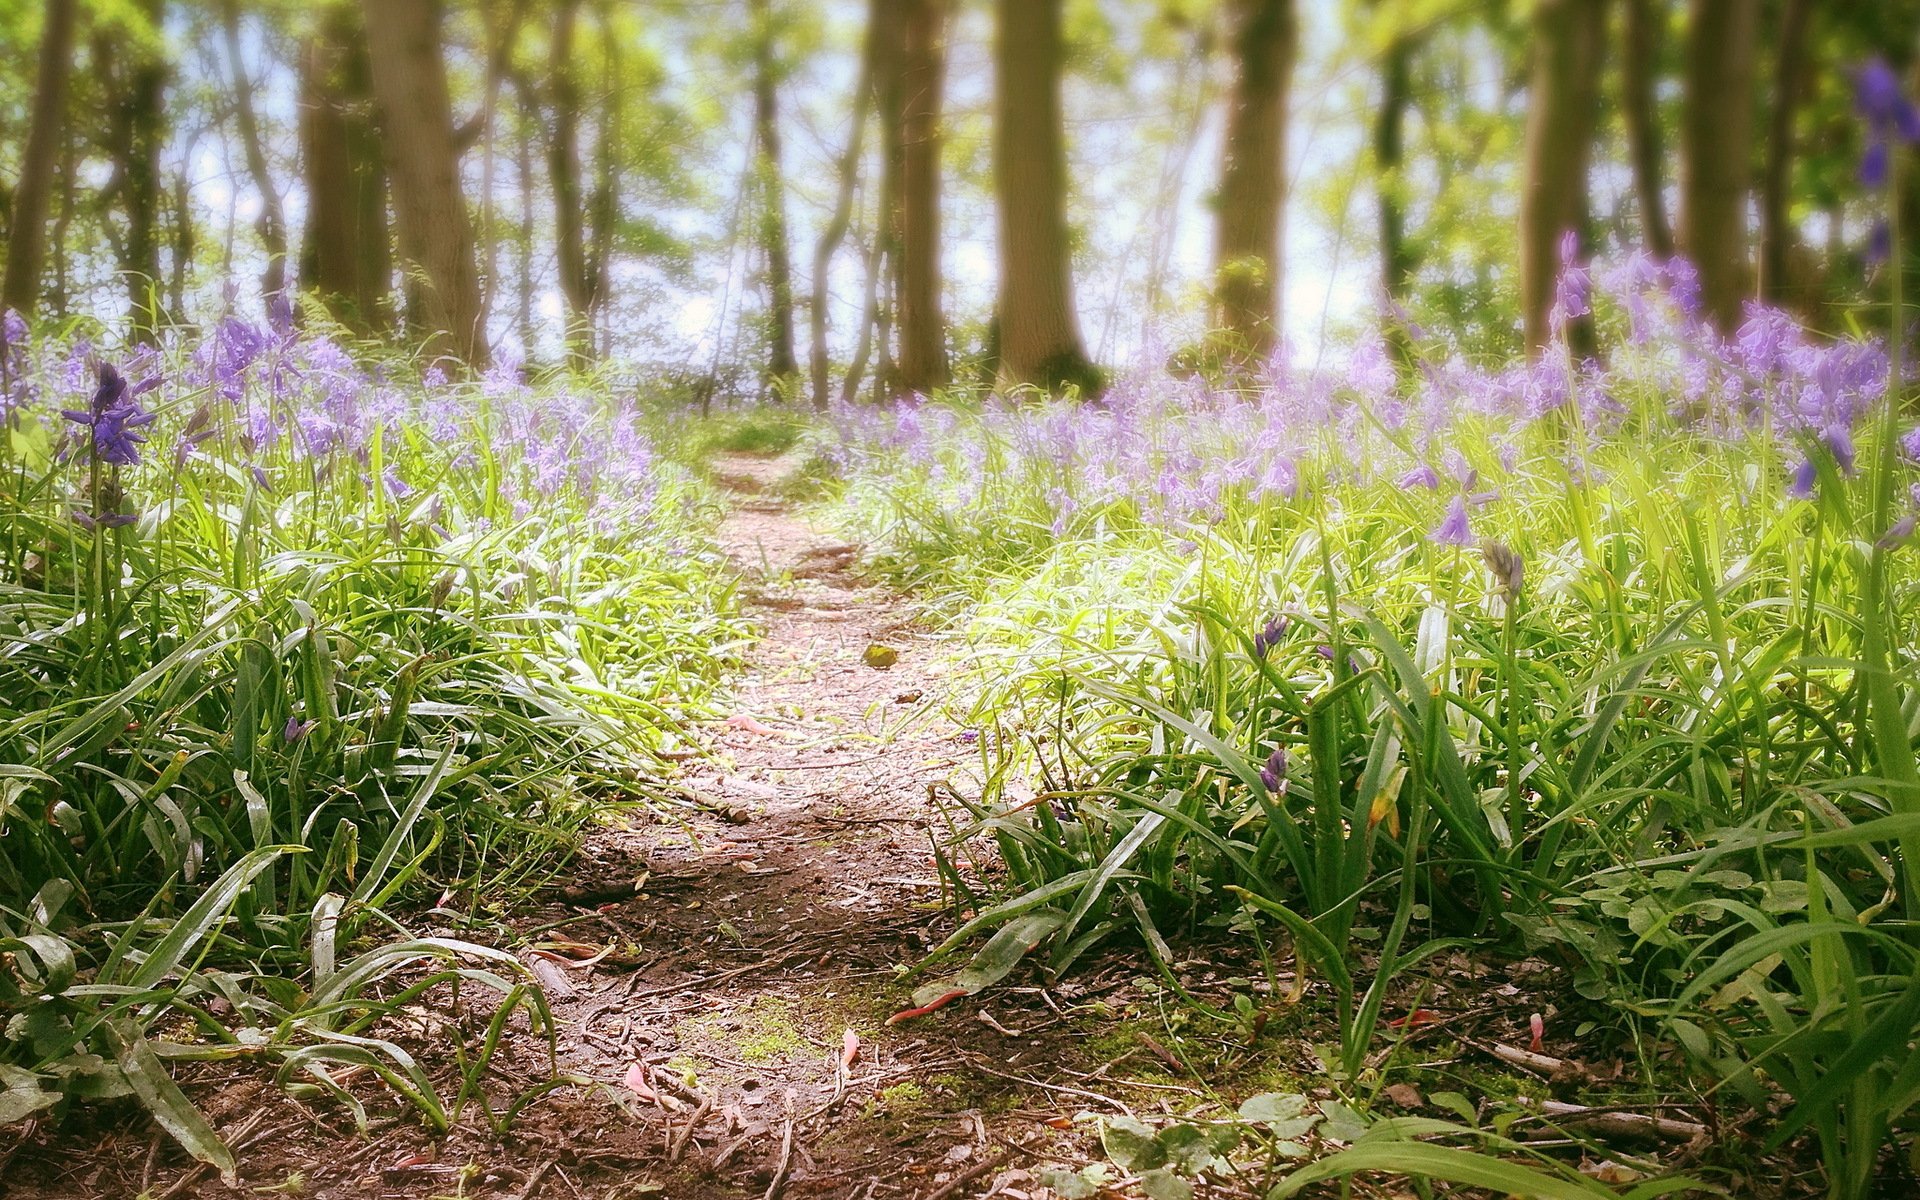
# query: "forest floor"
{"points": [[732, 1041]]}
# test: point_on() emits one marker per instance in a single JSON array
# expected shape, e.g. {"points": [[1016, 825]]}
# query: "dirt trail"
{"points": [[747, 940]]}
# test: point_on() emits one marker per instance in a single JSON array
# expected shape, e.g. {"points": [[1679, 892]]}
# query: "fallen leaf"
{"points": [[938, 1002], [1404, 1095], [1538, 1024], [880, 657], [636, 1081], [745, 723], [1416, 1018], [849, 1048]]}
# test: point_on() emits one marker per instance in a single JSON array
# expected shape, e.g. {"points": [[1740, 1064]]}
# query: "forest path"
{"points": [[707, 970], [773, 922]]}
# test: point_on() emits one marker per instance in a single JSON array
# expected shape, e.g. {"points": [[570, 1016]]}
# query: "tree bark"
{"points": [[1560, 108], [922, 363], [1039, 332], [563, 169], [416, 119], [135, 128], [1249, 223], [1792, 70], [603, 207], [848, 172], [1389, 154], [272, 224], [1645, 19], [27, 235], [346, 254], [1715, 146], [774, 241]]}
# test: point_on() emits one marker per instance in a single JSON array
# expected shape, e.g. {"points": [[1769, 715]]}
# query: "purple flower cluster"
{"points": [[114, 418], [1889, 116]]}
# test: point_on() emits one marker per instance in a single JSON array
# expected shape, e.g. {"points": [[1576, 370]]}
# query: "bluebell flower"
{"points": [[1269, 636], [1800, 486], [1273, 772], [114, 418], [1454, 529], [1421, 476]]}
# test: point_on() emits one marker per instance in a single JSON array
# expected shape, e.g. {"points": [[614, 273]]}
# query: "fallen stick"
{"points": [[786, 1156], [984, 1166], [1608, 1120]]}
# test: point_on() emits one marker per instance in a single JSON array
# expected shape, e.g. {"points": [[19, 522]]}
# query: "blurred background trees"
{"points": [[923, 191]]}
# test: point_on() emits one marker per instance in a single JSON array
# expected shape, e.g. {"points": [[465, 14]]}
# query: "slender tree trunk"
{"points": [[523, 239], [847, 171], [923, 334], [416, 118], [346, 255], [1560, 109], [563, 170], [1039, 332], [1792, 69], [181, 251], [1715, 148], [69, 205], [1644, 26], [1389, 153], [272, 224], [604, 208], [27, 235], [774, 242], [138, 130], [1248, 235]]}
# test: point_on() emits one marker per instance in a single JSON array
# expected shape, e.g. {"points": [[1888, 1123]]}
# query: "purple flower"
{"points": [[1453, 529], [1800, 487], [1888, 115], [1873, 164], [1269, 636], [1571, 290], [1273, 772], [296, 729], [1421, 476], [115, 418], [1838, 440]]}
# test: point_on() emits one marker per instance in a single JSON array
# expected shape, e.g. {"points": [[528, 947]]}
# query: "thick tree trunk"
{"points": [[1248, 236], [346, 255], [848, 173], [1560, 109], [1039, 331], [1715, 148], [1389, 154], [27, 235], [604, 207], [272, 224], [1790, 76], [563, 170], [1643, 35], [416, 119], [774, 242], [922, 66]]}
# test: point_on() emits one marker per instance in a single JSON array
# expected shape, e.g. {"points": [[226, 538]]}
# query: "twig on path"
{"points": [[786, 1155], [1613, 1121], [1051, 1087], [770, 964], [985, 1166], [534, 1181], [677, 1148]]}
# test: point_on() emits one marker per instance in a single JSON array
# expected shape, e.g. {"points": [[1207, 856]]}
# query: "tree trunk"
{"points": [[136, 132], [416, 120], [1560, 109], [563, 169], [774, 242], [271, 225], [346, 255], [922, 67], [1645, 25], [1791, 72], [1039, 331], [1715, 146], [604, 207], [1250, 205], [848, 172], [27, 235], [1389, 153]]}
